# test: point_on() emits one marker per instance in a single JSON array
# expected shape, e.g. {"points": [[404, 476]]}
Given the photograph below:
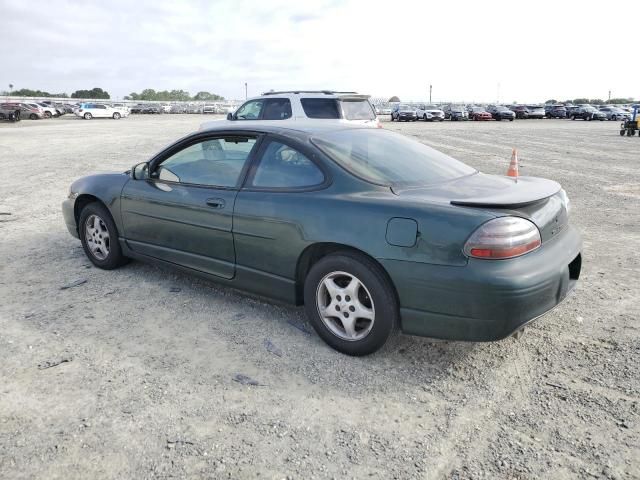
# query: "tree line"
{"points": [[27, 92], [174, 95], [148, 94]]}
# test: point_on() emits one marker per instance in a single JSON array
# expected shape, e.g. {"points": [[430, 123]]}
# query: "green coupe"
{"points": [[370, 230]]}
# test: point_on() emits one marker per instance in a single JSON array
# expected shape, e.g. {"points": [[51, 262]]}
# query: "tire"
{"points": [[573, 117], [116, 116], [47, 114], [622, 132], [630, 132], [33, 116], [87, 116], [511, 119], [374, 296], [424, 117], [96, 224]]}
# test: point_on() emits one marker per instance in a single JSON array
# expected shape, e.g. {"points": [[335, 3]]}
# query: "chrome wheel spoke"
{"points": [[345, 306], [97, 237]]}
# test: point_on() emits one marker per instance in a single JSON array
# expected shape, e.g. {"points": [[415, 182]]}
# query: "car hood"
{"points": [[482, 190]]}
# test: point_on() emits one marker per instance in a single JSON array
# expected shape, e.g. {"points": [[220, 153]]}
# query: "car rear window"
{"points": [[357, 110], [388, 158], [320, 108]]}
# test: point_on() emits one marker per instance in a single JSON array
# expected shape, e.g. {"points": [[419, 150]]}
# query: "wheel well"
{"points": [[81, 202], [313, 253]]}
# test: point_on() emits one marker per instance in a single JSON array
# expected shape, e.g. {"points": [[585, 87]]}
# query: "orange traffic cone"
{"points": [[513, 166]]}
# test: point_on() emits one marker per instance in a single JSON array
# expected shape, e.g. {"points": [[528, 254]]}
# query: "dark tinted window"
{"points": [[320, 107], [357, 110], [284, 167], [277, 109], [388, 158], [215, 162]]}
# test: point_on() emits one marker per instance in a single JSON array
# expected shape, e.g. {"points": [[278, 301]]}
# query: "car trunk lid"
{"points": [[537, 199]]}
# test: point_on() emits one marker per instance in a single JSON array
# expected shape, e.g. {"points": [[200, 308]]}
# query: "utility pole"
{"points": [[245, 90], [430, 90], [609, 96]]}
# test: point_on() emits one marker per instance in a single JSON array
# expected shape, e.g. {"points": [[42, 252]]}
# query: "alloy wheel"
{"points": [[345, 306], [97, 237]]}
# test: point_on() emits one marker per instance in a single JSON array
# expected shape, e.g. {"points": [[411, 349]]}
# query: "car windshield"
{"points": [[405, 107], [357, 110], [388, 158]]}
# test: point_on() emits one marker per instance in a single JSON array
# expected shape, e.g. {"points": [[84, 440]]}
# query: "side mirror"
{"points": [[140, 171], [229, 116]]}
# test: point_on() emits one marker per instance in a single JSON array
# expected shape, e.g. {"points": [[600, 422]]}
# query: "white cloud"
{"points": [[534, 51]]}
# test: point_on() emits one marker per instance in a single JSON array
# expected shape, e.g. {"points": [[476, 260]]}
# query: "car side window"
{"points": [[250, 110], [284, 167], [277, 109], [214, 162]]}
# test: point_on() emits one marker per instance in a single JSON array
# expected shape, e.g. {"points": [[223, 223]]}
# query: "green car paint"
{"points": [[263, 240]]}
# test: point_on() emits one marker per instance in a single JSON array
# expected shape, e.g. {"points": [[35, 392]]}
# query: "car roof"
{"points": [[305, 128]]}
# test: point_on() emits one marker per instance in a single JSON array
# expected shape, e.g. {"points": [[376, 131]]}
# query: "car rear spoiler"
{"points": [[353, 97]]}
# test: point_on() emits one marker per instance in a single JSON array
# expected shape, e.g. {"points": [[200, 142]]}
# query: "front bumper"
{"points": [[69, 216], [486, 300]]}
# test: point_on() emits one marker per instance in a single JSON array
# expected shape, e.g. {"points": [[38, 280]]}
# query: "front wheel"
{"points": [[99, 237], [88, 116], [47, 114], [33, 116], [350, 303], [116, 116]]}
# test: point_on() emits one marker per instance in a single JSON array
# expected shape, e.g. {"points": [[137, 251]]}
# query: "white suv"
{"points": [[307, 106], [97, 110]]}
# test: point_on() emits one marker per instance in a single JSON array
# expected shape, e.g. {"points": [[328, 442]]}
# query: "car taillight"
{"points": [[504, 237]]}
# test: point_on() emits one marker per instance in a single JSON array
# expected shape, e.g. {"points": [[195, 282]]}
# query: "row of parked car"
{"points": [[435, 113]]}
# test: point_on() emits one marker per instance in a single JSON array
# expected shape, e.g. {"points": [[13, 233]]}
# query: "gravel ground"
{"points": [[146, 385]]}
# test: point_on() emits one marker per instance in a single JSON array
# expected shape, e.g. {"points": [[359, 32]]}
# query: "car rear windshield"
{"points": [[387, 158], [357, 109]]}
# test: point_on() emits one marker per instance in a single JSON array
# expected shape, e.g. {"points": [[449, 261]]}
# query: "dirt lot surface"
{"points": [[145, 388]]}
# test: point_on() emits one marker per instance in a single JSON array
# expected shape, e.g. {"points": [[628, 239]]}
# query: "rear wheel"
{"points": [[99, 237], [33, 116], [88, 116], [622, 132], [350, 303], [116, 116], [47, 114]]}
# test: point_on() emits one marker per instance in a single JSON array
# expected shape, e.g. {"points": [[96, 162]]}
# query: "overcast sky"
{"points": [[468, 50]]}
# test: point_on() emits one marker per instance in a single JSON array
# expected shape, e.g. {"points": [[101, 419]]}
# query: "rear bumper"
{"points": [[486, 300]]}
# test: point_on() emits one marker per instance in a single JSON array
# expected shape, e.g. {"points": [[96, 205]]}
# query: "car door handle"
{"points": [[216, 202]]}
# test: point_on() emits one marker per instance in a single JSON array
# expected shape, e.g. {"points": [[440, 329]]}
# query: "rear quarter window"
{"points": [[326, 108]]}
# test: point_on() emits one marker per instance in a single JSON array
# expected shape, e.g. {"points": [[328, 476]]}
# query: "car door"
{"points": [[182, 212], [270, 213]]}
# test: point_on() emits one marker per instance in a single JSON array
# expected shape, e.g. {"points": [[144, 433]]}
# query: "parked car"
{"points": [[290, 107], [151, 109], [555, 111], [97, 110], [614, 113], [386, 110], [404, 112], [535, 111], [500, 112], [369, 229], [211, 108], [136, 108], [521, 111], [587, 112], [10, 112], [479, 113], [429, 113], [458, 112], [32, 112]]}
